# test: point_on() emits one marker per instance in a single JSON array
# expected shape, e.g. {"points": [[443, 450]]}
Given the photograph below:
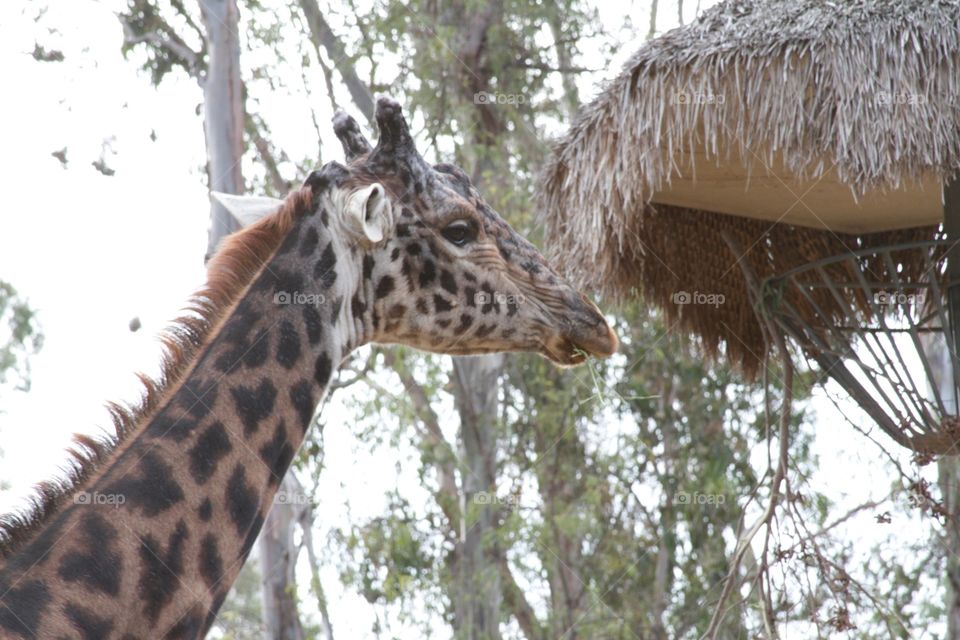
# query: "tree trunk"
{"points": [[571, 96], [948, 471], [223, 125], [948, 475], [477, 592], [653, 20], [222, 111], [663, 574], [278, 560], [306, 518], [560, 450]]}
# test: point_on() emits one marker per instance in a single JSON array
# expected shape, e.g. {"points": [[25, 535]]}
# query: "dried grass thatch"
{"points": [[860, 92]]}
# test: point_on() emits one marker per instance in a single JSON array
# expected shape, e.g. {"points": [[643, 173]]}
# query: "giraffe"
{"points": [[146, 536]]}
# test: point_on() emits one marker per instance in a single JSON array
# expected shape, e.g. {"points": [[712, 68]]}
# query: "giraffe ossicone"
{"points": [[385, 248]]}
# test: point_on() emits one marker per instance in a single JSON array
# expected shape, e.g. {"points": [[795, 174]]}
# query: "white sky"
{"points": [[91, 252]]}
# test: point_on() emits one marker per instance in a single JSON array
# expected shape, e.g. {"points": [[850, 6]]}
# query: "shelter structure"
{"points": [[785, 165]]}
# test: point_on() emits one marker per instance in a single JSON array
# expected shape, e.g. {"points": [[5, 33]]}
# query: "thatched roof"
{"points": [[805, 127]]}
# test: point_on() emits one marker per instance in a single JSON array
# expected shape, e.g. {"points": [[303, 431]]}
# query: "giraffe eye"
{"points": [[459, 232]]}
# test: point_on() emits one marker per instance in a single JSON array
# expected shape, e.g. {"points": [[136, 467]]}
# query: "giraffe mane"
{"points": [[236, 263]]}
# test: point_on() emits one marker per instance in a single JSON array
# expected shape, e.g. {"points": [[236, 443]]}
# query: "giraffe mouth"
{"points": [[578, 332], [565, 353], [568, 350]]}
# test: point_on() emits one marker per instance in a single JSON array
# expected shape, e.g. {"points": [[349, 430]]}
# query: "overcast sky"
{"points": [[90, 252]]}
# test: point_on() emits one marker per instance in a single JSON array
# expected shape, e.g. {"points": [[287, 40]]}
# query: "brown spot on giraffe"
{"points": [[191, 473]]}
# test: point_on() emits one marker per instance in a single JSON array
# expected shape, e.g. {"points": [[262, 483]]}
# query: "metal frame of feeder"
{"points": [[886, 390], [866, 348]]}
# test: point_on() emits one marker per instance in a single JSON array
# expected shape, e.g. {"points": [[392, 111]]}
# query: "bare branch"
{"points": [[323, 36], [870, 504], [518, 605], [540, 66], [779, 477], [328, 80], [305, 519], [359, 374], [182, 10], [254, 128], [433, 437]]}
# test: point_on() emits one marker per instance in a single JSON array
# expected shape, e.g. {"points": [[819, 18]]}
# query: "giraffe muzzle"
{"points": [[584, 333]]}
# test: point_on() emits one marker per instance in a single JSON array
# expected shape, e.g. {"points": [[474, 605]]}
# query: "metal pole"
{"points": [[948, 467], [951, 227]]}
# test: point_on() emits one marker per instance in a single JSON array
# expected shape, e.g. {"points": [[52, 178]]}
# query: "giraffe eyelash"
{"points": [[460, 232]]}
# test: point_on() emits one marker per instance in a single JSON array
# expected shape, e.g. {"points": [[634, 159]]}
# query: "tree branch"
{"points": [[359, 375], [540, 66], [775, 336], [265, 151], [305, 519], [323, 36], [448, 497], [571, 97], [182, 10], [166, 39], [518, 605]]}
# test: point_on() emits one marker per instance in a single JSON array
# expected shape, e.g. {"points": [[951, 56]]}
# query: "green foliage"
{"points": [[442, 71], [240, 616], [42, 54], [393, 554], [167, 34], [20, 338]]}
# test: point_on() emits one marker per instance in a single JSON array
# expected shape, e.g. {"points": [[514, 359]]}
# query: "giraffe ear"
{"points": [[246, 209], [370, 212]]}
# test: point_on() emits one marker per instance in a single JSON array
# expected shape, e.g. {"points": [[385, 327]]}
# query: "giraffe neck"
{"points": [[155, 538]]}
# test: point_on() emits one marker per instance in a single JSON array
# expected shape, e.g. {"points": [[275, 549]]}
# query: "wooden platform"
{"points": [[774, 194]]}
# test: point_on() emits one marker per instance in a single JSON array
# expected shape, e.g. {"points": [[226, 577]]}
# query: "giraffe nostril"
{"points": [[582, 305], [596, 318]]}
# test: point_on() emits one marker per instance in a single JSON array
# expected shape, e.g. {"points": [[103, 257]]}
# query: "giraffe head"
{"points": [[445, 272], [437, 268]]}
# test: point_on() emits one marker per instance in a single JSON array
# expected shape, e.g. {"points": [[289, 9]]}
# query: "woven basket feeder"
{"points": [[793, 162]]}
